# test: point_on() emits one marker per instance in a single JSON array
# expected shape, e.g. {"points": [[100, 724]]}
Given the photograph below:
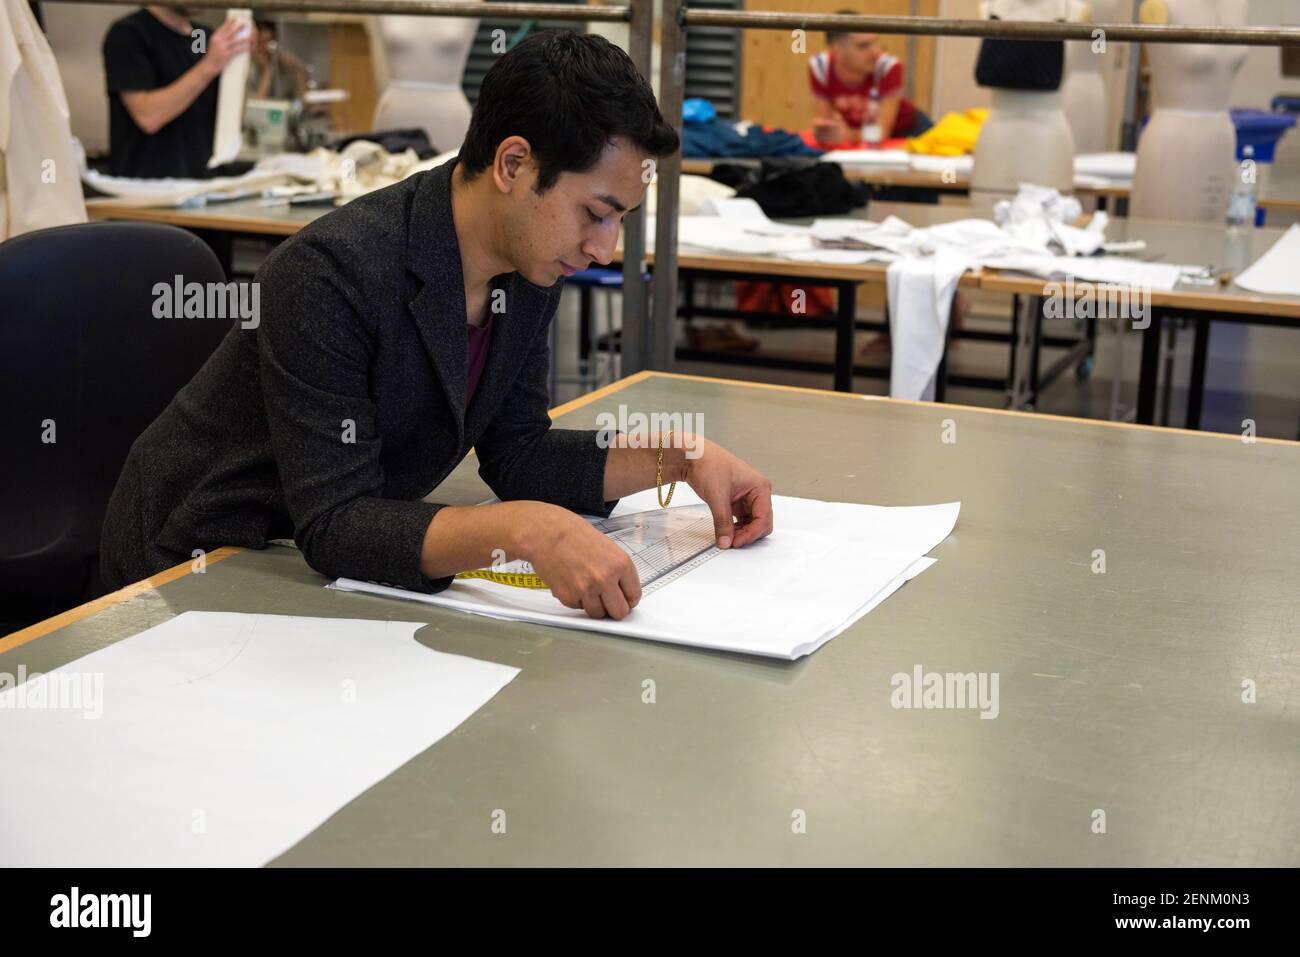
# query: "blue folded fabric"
{"points": [[719, 138]]}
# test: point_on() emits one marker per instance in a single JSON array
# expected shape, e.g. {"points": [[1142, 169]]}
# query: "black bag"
{"points": [[794, 187]]}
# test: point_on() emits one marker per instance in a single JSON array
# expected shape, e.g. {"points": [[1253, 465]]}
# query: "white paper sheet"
{"points": [[958, 165], [228, 138], [224, 738], [825, 566], [726, 235], [839, 257], [868, 157], [1112, 166], [1277, 272], [1118, 270]]}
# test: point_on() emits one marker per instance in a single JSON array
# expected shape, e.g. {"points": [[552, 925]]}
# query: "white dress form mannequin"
{"points": [[1026, 138], [1083, 90], [425, 61], [1190, 132]]}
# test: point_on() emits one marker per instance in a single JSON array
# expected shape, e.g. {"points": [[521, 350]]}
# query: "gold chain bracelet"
{"points": [[659, 478]]}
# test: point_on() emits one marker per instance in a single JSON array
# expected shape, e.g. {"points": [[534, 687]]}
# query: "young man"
{"points": [[162, 101], [410, 325], [855, 82], [273, 72]]}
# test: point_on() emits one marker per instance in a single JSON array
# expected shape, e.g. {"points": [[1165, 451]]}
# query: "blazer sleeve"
{"points": [[522, 457], [315, 353]]}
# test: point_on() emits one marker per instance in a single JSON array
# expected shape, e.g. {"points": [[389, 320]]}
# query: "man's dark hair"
{"points": [[833, 35], [569, 95]]}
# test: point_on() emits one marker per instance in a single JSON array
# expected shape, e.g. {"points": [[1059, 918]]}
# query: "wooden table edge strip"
{"points": [[61, 620]]}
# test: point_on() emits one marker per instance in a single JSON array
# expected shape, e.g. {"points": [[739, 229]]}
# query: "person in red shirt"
{"points": [[855, 83]]}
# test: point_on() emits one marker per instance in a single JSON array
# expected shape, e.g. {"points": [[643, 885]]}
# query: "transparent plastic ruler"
{"points": [[664, 545]]}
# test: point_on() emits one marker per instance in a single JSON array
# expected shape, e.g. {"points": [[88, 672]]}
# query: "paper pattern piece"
{"points": [[228, 138], [223, 739], [825, 566], [1277, 272]]}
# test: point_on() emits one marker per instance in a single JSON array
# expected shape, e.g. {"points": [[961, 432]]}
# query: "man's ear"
{"points": [[510, 167]]}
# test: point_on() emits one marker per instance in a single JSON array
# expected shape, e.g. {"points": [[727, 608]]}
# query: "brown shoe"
{"points": [[877, 345], [734, 339], [718, 339]]}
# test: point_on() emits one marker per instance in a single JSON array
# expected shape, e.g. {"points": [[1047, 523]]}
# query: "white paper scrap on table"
{"points": [[825, 565], [228, 139], [957, 165], [868, 157], [839, 257], [732, 236], [223, 739], [1112, 166], [1118, 270], [1277, 272]]}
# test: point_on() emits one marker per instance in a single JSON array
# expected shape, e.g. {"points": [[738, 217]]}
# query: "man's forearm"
{"points": [[463, 537], [888, 116], [153, 109], [630, 466]]}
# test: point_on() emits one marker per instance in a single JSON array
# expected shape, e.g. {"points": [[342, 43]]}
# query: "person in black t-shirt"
{"points": [[160, 69]]}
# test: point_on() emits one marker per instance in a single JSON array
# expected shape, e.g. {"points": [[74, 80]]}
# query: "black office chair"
{"points": [[84, 368]]}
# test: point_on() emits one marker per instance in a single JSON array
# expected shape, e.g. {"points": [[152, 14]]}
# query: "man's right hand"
{"points": [[583, 567], [225, 42]]}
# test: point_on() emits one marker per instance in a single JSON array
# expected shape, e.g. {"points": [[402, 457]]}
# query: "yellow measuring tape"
{"points": [[517, 579]]}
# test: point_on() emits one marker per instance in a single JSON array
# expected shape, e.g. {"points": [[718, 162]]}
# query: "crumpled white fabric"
{"points": [[1040, 215], [359, 168], [921, 284], [925, 264], [920, 290], [922, 281]]}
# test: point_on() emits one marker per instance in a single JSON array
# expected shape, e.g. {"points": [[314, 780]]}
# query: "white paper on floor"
{"points": [[825, 565], [1275, 272], [224, 739]]}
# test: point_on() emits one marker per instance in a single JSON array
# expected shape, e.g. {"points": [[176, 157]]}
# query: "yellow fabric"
{"points": [[1155, 12], [954, 135]]}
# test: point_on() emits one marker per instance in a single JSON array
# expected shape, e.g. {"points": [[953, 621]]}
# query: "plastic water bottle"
{"points": [[1241, 207]]}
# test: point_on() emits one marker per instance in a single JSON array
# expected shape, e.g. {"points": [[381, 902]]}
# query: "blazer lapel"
{"points": [[438, 308], [514, 331], [433, 255]]}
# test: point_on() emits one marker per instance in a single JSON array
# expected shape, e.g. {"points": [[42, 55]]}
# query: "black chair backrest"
{"points": [[85, 366]]}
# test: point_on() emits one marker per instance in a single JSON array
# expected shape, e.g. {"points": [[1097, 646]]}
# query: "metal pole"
{"points": [[1008, 29], [636, 290], [1129, 131], [672, 82], [428, 8]]}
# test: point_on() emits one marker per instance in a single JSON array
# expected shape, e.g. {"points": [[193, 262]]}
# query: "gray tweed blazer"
{"points": [[346, 406]]}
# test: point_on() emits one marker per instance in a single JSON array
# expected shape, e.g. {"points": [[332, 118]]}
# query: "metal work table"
{"points": [[1119, 692]]}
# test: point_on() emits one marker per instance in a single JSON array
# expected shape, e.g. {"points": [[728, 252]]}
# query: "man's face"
{"points": [[858, 51], [576, 222], [264, 42]]}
